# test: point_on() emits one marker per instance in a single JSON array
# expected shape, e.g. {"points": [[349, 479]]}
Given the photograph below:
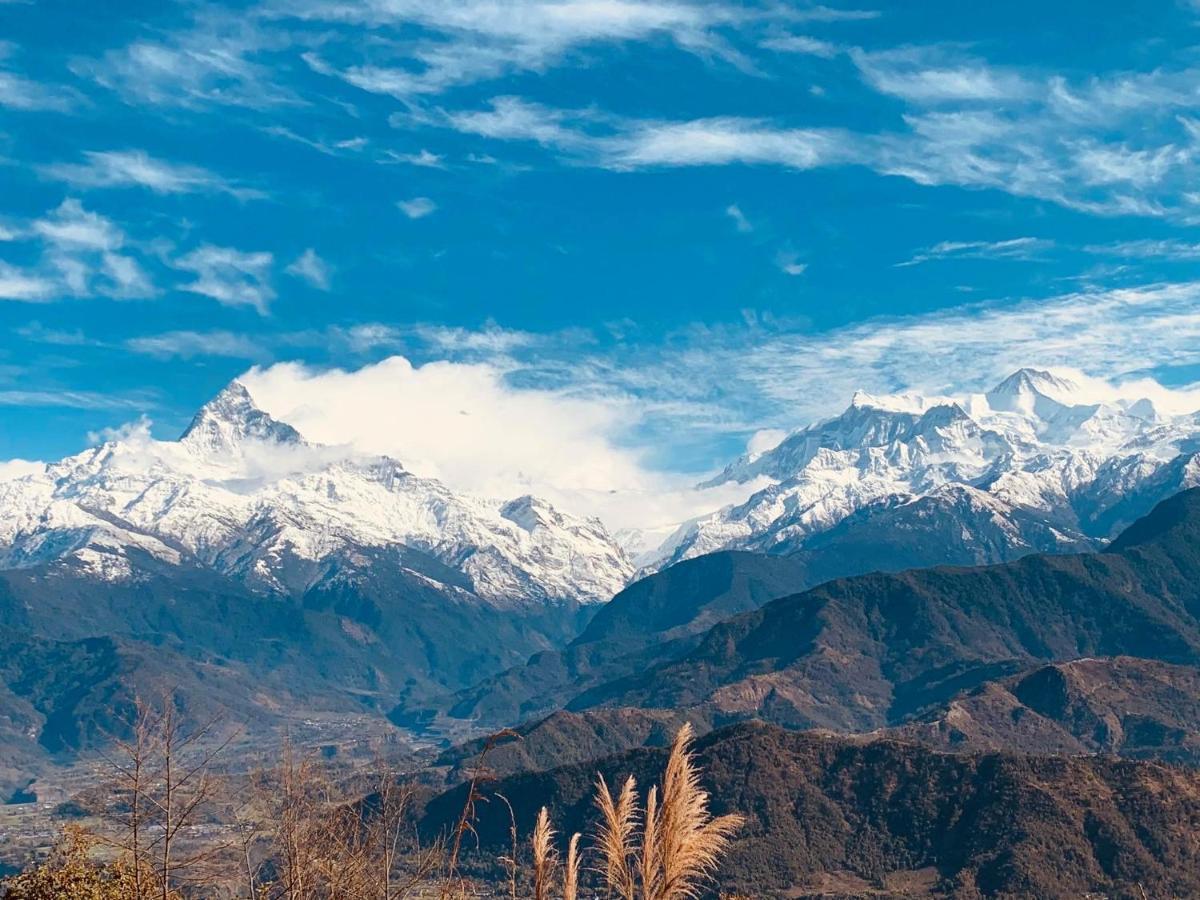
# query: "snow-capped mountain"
{"points": [[1032, 465], [243, 494]]}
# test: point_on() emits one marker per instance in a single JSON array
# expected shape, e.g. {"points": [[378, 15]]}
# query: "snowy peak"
{"points": [[242, 494], [231, 419], [1055, 467], [529, 513], [1032, 392]]}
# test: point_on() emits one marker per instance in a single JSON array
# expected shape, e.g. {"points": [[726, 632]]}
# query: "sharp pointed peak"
{"points": [[1041, 380], [231, 418]]}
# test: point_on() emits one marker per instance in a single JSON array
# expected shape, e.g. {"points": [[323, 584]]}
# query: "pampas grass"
{"points": [[690, 840], [681, 843], [571, 875], [544, 857], [615, 837]]}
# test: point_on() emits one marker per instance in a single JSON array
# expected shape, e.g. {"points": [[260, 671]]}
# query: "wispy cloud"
{"points": [[23, 94], [230, 276], [740, 222], [190, 344], [36, 331], [424, 159], [136, 168], [930, 75], [442, 45], [711, 384], [819, 13], [1023, 248], [343, 147], [69, 399], [213, 63], [964, 122], [73, 227], [309, 267], [618, 143], [417, 207], [23, 286], [81, 254], [789, 264], [1164, 248], [800, 43]]}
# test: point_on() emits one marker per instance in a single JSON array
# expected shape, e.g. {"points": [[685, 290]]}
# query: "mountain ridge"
{"points": [[1050, 459], [827, 816], [244, 494], [861, 653]]}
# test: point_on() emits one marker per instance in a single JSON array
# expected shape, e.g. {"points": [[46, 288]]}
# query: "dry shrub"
{"points": [[70, 873], [302, 835]]}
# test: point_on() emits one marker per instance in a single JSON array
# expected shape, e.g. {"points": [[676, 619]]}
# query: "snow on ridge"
{"points": [[1038, 444], [241, 492]]}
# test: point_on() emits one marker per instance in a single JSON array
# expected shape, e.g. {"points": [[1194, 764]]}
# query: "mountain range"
{"points": [[245, 496], [860, 653], [1032, 465], [243, 511], [968, 607]]}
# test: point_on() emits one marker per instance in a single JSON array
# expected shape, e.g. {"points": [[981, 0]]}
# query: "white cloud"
{"points": [[1165, 248], [828, 14], [213, 63], [23, 94], [229, 276], [929, 75], [799, 43], [79, 258], [335, 148], [964, 122], [18, 284], [425, 159], [124, 278], [740, 222], [366, 337], [477, 40], [35, 331], [716, 386], [563, 447], [19, 468], [764, 440], [513, 118], [720, 141], [624, 144], [441, 414], [788, 263], [787, 378], [190, 344], [67, 399], [74, 228], [417, 207], [1022, 248], [136, 168], [311, 268], [135, 432]]}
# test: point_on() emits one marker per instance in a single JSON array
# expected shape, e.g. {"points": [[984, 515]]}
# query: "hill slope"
{"points": [[866, 652], [1135, 708], [827, 814]]}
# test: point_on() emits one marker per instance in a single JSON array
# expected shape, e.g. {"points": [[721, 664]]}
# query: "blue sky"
{"points": [[676, 223]]}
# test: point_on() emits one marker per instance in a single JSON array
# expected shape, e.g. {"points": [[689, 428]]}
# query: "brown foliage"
{"points": [[71, 874], [300, 834]]}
